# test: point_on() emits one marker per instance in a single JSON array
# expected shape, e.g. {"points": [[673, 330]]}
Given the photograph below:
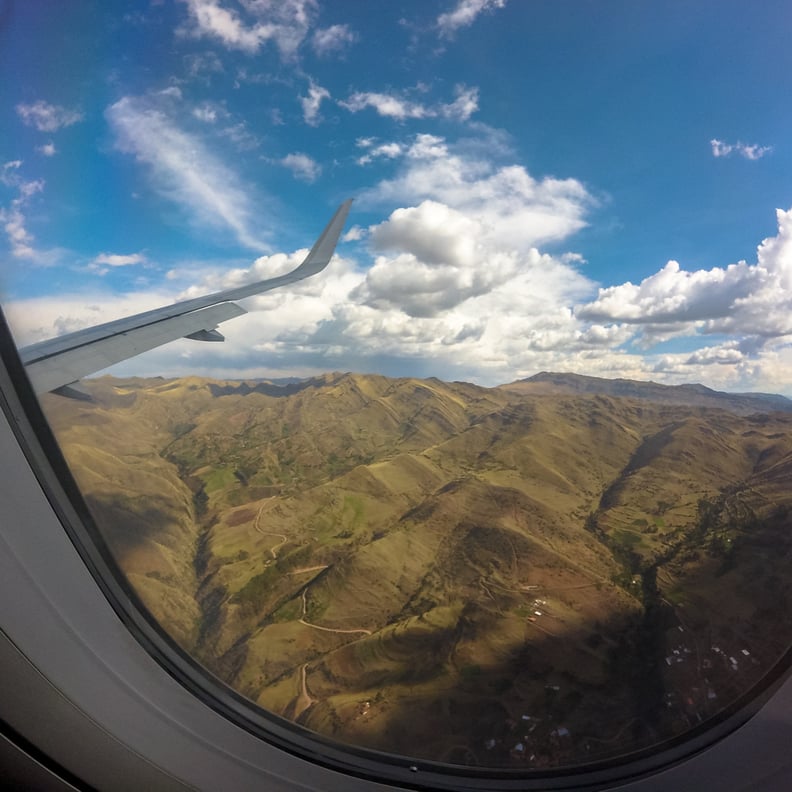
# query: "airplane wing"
{"points": [[59, 362]]}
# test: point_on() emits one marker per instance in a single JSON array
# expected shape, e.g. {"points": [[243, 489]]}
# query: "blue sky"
{"points": [[601, 187]]}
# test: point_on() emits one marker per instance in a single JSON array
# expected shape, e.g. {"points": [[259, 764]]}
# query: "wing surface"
{"points": [[62, 361]]}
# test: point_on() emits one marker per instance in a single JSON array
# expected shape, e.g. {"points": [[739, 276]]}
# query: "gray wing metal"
{"points": [[63, 360]]}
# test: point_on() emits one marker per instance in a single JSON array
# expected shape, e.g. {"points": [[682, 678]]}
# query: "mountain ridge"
{"points": [[689, 394]]}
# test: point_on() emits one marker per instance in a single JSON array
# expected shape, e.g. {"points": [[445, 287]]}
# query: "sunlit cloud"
{"points": [[739, 299]]}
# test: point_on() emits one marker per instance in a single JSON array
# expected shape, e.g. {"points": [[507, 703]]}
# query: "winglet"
{"points": [[66, 359], [323, 248]]}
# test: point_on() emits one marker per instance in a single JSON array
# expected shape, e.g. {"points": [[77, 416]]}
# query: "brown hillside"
{"points": [[415, 565]]}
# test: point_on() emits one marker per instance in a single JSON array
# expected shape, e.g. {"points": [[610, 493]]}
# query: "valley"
{"points": [[546, 573]]}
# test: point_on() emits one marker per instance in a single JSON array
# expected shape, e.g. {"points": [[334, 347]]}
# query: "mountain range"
{"points": [[535, 574]]}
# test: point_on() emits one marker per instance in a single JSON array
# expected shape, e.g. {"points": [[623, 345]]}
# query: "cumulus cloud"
{"points": [[453, 281], [400, 107], [748, 304], [312, 103], [748, 300], [464, 14], [47, 117], [510, 206], [302, 166], [182, 168], [336, 38], [47, 150], [283, 22], [750, 151]]}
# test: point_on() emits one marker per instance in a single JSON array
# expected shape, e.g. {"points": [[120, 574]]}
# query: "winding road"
{"points": [[325, 629], [257, 525]]}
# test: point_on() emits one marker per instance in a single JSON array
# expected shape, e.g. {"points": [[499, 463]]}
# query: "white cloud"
{"points": [[47, 117], [385, 104], [465, 104], [240, 136], [355, 234], [302, 166], [312, 103], [47, 150], [283, 22], [401, 108], [183, 169], [511, 206], [208, 112], [20, 240], [745, 300], [390, 150], [750, 151], [39, 318], [9, 173], [464, 14], [335, 38], [104, 262], [749, 304], [456, 284]]}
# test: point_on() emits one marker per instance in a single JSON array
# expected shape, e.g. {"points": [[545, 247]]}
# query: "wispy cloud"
{"points": [[285, 23], [400, 107], [302, 166], [203, 65], [464, 14], [390, 150], [336, 38], [209, 112], [750, 151], [182, 168], [463, 106], [105, 262], [312, 103], [20, 240], [47, 117], [48, 149], [387, 105]]}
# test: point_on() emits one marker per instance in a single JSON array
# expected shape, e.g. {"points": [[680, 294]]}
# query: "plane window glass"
{"points": [[452, 497]]}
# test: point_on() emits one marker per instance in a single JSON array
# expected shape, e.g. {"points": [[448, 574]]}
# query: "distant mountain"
{"points": [[550, 383]]}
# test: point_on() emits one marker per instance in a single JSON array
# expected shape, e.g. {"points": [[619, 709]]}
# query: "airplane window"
{"points": [[494, 474]]}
